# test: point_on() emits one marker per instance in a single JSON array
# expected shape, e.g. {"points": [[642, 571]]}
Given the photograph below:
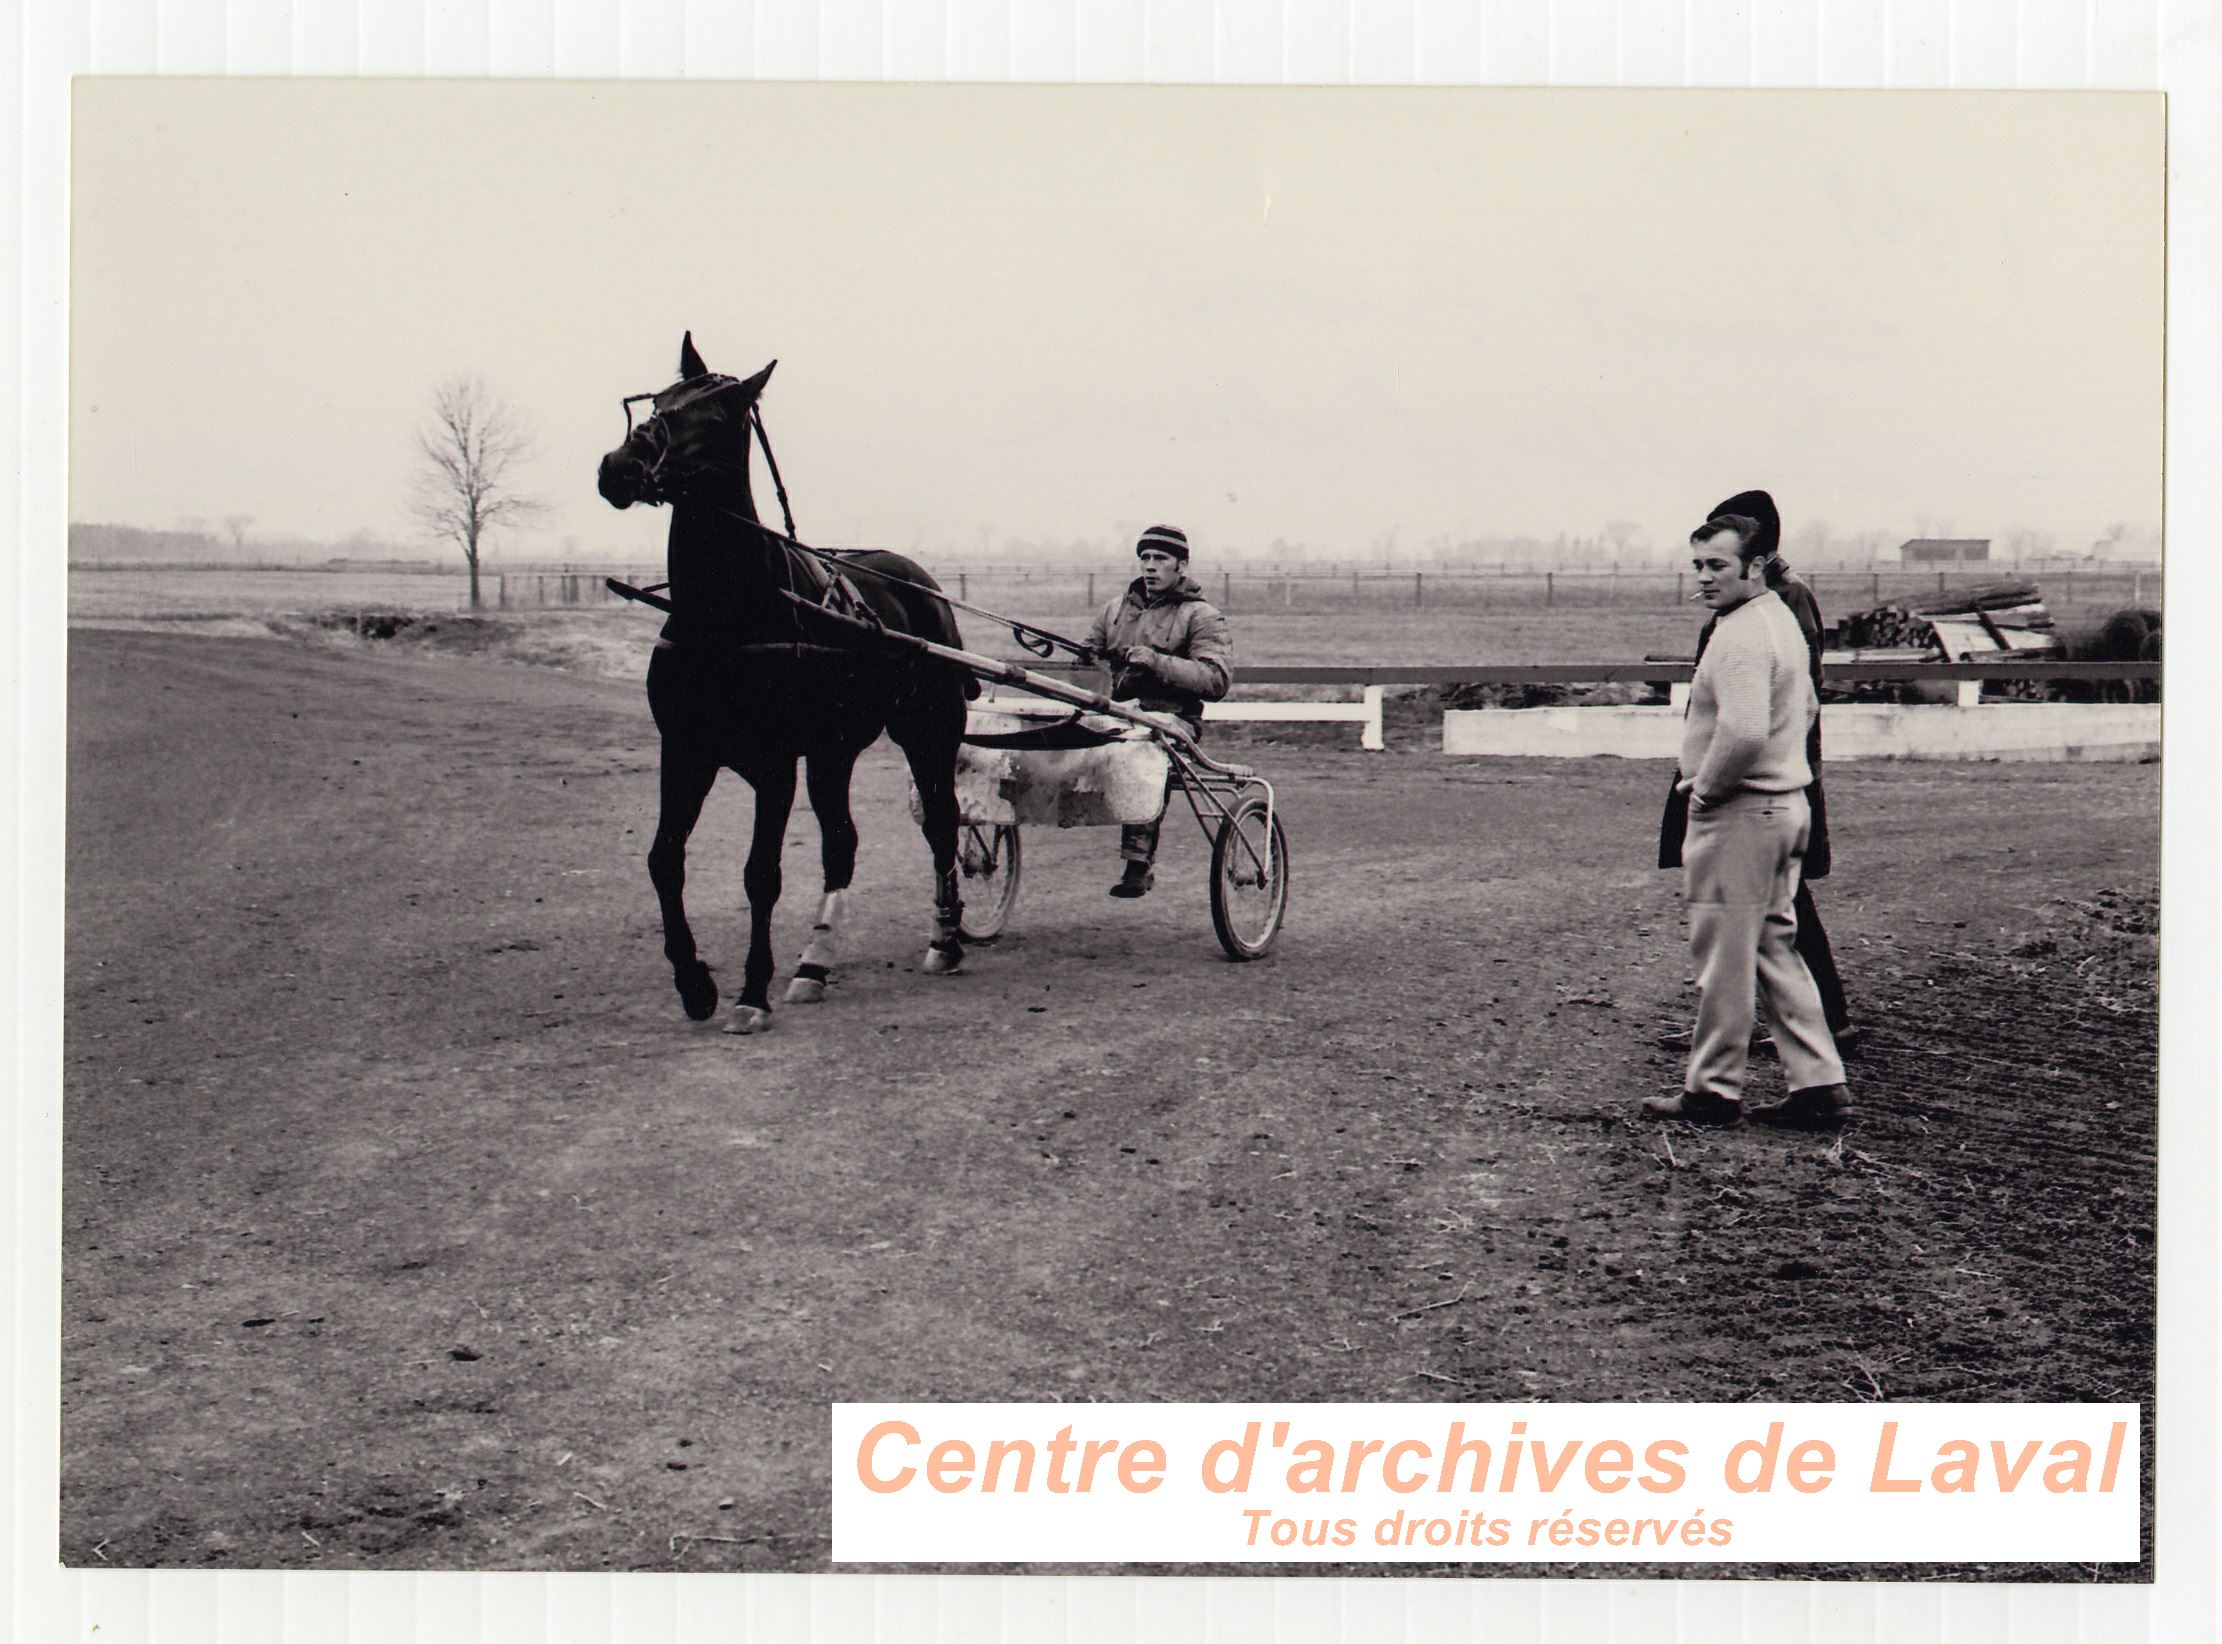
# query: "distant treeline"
{"points": [[91, 544], [95, 544]]}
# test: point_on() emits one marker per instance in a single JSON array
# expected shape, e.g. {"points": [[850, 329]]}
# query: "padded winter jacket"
{"points": [[1195, 659]]}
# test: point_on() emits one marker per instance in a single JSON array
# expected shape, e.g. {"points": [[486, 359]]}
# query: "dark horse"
{"points": [[745, 679]]}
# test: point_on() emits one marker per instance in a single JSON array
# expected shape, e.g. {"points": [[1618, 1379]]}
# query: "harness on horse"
{"points": [[834, 591], [828, 571]]}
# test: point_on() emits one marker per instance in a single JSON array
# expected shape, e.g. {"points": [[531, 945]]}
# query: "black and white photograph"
{"points": [[736, 747]]}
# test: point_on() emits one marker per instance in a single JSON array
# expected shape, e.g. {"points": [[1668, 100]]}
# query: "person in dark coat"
{"points": [[1812, 938], [1166, 649]]}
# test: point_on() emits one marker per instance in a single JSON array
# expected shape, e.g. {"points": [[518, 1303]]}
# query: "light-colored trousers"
{"points": [[1740, 867]]}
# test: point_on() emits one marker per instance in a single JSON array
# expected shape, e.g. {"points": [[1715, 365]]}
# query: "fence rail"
{"points": [[1674, 673], [1969, 677], [1239, 591], [1069, 592]]}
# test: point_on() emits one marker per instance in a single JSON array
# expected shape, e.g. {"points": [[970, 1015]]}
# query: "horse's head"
{"points": [[696, 436]]}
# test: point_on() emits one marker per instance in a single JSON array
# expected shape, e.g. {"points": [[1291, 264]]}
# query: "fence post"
{"points": [[1091, 590], [961, 594], [1370, 739], [2137, 589], [1678, 596], [1550, 588], [1226, 590], [1940, 582], [1419, 591]]}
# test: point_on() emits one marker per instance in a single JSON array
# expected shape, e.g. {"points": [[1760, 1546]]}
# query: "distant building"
{"points": [[1945, 551]]}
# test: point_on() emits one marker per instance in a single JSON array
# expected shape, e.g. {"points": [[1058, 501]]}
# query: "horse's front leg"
{"points": [[826, 778], [775, 799], [686, 783]]}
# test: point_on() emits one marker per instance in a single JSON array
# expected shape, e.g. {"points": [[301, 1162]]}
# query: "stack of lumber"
{"points": [[1998, 616]]}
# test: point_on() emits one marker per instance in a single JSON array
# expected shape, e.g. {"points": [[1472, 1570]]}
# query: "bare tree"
{"points": [[467, 484], [237, 525]]}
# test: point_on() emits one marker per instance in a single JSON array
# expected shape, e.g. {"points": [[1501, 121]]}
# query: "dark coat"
{"points": [[1195, 658], [1674, 824]]}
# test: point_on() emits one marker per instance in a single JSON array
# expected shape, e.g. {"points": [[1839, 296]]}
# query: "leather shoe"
{"points": [[1136, 881], [1697, 1107], [1817, 1107]]}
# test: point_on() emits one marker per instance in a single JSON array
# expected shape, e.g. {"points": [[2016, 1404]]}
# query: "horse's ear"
{"points": [[755, 384], [690, 363]]}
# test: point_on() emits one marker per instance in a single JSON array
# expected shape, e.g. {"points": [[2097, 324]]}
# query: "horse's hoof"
{"points": [[806, 990], [749, 1019], [943, 961], [698, 993]]}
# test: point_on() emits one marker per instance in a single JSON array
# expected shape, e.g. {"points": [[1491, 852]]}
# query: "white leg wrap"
{"points": [[824, 946]]}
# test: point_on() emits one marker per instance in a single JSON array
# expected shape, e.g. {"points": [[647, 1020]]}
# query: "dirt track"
{"points": [[408, 1223]]}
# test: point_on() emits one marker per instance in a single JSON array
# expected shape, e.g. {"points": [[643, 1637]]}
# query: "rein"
{"points": [[839, 599], [1036, 641], [763, 438]]}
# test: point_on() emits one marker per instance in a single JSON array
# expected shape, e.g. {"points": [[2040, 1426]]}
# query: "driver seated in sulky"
{"points": [[1166, 649]]}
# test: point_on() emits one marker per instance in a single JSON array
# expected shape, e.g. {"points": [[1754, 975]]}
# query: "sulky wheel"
{"points": [[988, 858], [1249, 880]]}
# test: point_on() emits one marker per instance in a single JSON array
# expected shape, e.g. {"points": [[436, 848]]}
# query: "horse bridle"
{"points": [[654, 490]]}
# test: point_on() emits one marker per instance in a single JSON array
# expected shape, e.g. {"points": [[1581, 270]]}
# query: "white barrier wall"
{"points": [[1366, 712], [2054, 732]]}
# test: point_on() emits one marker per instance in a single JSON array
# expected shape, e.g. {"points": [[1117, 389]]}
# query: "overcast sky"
{"points": [[1059, 313]]}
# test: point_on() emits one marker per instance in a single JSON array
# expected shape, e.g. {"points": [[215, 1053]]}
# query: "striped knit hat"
{"points": [[1164, 539]]}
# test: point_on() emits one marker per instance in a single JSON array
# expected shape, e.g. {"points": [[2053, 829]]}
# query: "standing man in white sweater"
{"points": [[1744, 768]]}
